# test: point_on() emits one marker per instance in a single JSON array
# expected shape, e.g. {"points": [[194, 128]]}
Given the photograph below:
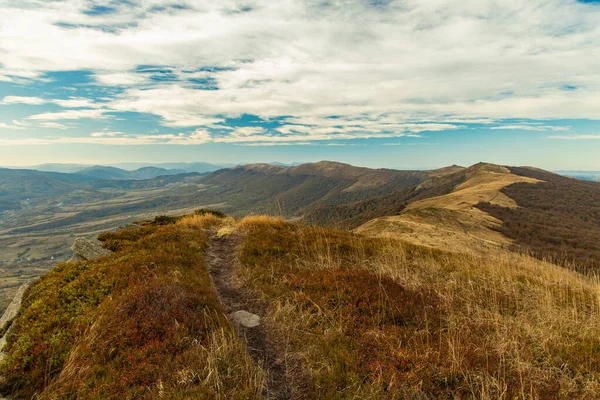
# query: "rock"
{"points": [[10, 314], [88, 249], [245, 318]]}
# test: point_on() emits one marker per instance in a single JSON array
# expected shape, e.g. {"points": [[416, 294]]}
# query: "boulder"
{"points": [[88, 249], [10, 314]]}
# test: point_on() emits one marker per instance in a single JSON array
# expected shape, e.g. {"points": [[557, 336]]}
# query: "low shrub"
{"points": [[161, 220], [142, 323], [210, 211]]}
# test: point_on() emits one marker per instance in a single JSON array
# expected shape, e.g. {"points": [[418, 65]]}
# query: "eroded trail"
{"points": [[220, 260]]}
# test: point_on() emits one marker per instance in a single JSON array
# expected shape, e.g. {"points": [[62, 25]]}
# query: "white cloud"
{"points": [[23, 100], [4, 125], [53, 125], [444, 63], [69, 114], [76, 102], [71, 102], [575, 137], [530, 127], [119, 78], [107, 134]]}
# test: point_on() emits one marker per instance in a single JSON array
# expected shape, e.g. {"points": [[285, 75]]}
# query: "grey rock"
{"points": [[88, 249], [245, 318], [10, 314]]}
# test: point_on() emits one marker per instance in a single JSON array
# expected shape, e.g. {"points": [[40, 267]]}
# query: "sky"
{"points": [[379, 83]]}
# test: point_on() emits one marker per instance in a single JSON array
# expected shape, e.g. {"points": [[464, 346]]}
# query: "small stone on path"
{"points": [[245, 318]]}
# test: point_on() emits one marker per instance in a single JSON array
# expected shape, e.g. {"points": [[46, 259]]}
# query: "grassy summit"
{"points": [[348, 316]]}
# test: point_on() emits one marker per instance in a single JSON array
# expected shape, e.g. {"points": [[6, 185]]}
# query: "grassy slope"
{"points": [[377, 318], [356, 317], [451, 220], [142, 323]]}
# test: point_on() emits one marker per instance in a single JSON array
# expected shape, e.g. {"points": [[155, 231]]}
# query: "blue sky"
{"points": [[402, 84]]}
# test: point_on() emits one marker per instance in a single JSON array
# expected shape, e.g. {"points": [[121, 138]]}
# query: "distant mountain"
{"points": [[113, 173], [200, 167], [25, 189], [179, 167], [63, 168], [295, 191], [104, 173], [18, 186]]}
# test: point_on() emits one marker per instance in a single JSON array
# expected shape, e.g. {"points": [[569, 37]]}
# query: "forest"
{"points": [[557, 219]]}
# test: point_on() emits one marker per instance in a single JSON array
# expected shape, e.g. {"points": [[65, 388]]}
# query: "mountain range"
{"points": [[461, 282]]}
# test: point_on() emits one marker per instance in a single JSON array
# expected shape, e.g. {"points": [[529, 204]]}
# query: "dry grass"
{"points": [[203, 222], [483, 185], [259, 220], [451, 230], [379, 318], [452, 222]]}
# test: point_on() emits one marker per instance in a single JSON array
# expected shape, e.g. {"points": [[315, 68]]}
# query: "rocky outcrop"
{"points": [[88, 249], [10, 314]]}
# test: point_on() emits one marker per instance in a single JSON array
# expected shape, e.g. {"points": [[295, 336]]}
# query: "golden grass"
{"points": [[259, 220], [379, 318], [204, 222], [451, 230], [481, 186], [452, 222]]}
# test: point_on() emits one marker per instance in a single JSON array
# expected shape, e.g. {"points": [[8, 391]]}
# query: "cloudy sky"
{"points": [[383, 83]]}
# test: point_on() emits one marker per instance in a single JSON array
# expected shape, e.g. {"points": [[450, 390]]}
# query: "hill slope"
{"points": [[451, 220], [558, 218], [305, 189], [19, 186], [346, 317]]}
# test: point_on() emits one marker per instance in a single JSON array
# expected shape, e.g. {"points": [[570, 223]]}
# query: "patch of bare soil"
{"points": [[220, 260]]}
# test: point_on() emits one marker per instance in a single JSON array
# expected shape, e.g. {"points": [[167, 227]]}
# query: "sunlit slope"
{"points": [[378, 318], [451, 221], [345, 316]]}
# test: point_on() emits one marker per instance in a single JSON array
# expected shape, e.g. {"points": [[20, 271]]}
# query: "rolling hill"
{"points": [[524, 209], [452, 220], [454, 208], [558, 218], [299, 191], [19, 187]]}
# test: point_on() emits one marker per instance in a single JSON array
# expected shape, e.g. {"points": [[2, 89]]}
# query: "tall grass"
{"points": [[204, 221], [377, 318]]}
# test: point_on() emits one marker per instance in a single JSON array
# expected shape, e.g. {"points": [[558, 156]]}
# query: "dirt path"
{"points": [[220, 259]]}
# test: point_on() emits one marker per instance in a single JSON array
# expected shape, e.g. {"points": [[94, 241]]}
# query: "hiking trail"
{"points": [[240, 304]]}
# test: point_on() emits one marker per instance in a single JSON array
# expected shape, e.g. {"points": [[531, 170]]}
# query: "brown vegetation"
{"points": [[143, 323], [376, 318]]}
